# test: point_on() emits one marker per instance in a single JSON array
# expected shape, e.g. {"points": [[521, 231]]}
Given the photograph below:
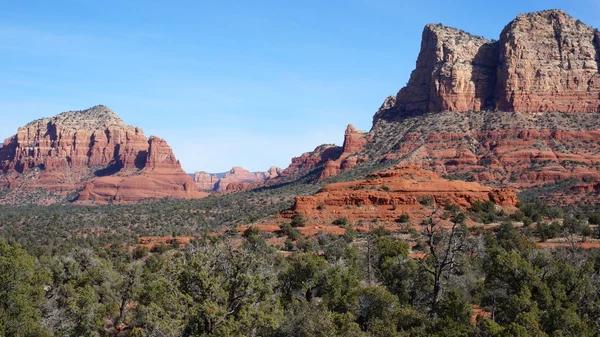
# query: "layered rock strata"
{"points": [[237, 179], [543, 62], [388, 195], [92, 151]]}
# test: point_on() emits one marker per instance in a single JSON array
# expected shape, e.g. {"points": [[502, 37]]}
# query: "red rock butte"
{"points": [[543, 61], [519, 112], [94, 153], [237, 179]]}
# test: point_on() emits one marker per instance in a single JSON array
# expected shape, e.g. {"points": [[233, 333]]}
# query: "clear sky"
{"points": [[246, 83]]}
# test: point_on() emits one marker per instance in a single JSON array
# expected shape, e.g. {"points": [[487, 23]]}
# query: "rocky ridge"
{"points": [[388, 195], [237, 179], [329, 160]]}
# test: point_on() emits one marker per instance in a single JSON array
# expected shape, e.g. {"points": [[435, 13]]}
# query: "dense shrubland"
{"points": [[431, 282], [38, 226]]}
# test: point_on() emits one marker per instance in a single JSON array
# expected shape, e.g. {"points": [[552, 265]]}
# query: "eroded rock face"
{"points": [[160, 155], [94, 151], [329, 160], [387, 195], [517, 113], [354, 142], [237, 179], [205, 181], [309, 161], [75, 138], [549, 62], [519, 150], [544, 61], [455, 71]]}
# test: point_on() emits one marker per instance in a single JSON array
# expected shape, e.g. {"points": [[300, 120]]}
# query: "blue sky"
{"points": [[247, 83]]}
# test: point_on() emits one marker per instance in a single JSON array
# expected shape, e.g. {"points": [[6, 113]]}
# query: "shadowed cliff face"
{"points": [[544, 61], [455, 71], [85, 149]]}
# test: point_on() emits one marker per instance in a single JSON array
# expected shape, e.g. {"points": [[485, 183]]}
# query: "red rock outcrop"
{"points": [[354, 142], [161, 177], [160, 155], [544, 62], [205, 181], [310, 161], [517, 112], [455, 71], [93, 137], [93, 151], [387, 195], [512, 149], [329, 160], [238, 178], [549, 62]]}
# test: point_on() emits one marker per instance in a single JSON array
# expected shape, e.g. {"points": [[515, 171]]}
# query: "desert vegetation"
{"points": [[492, 277]]}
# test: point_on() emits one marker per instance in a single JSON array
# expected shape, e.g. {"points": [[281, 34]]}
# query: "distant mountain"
{"points": [[234, 180]]}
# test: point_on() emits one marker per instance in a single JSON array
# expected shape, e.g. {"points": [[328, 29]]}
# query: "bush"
{"points": [[594, 219], [483, 207], [340, 221], [298, 220], [159, 249], [404, 218], [426, 200], [587, 231], [139, 252], [548, 231], [450, 207], [380, 231], [289, 231], [350, 234], [251, 231]]}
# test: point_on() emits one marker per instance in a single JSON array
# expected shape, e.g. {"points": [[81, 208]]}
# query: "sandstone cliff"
{"points": [[455, 71], [309, 161], [95, 152], [237, 179], [548, 61], [354, 142], [543, 61], [205, 181]]}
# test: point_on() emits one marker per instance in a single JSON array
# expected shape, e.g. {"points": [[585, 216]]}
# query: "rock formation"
{"points": [[544, 62], [238, 178], [387, 195], [519, 112], [205, 181], [455, 71], [92, 137], [93, 151], [548, 61], [310, 161], [329, 160], [354, 142]]}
